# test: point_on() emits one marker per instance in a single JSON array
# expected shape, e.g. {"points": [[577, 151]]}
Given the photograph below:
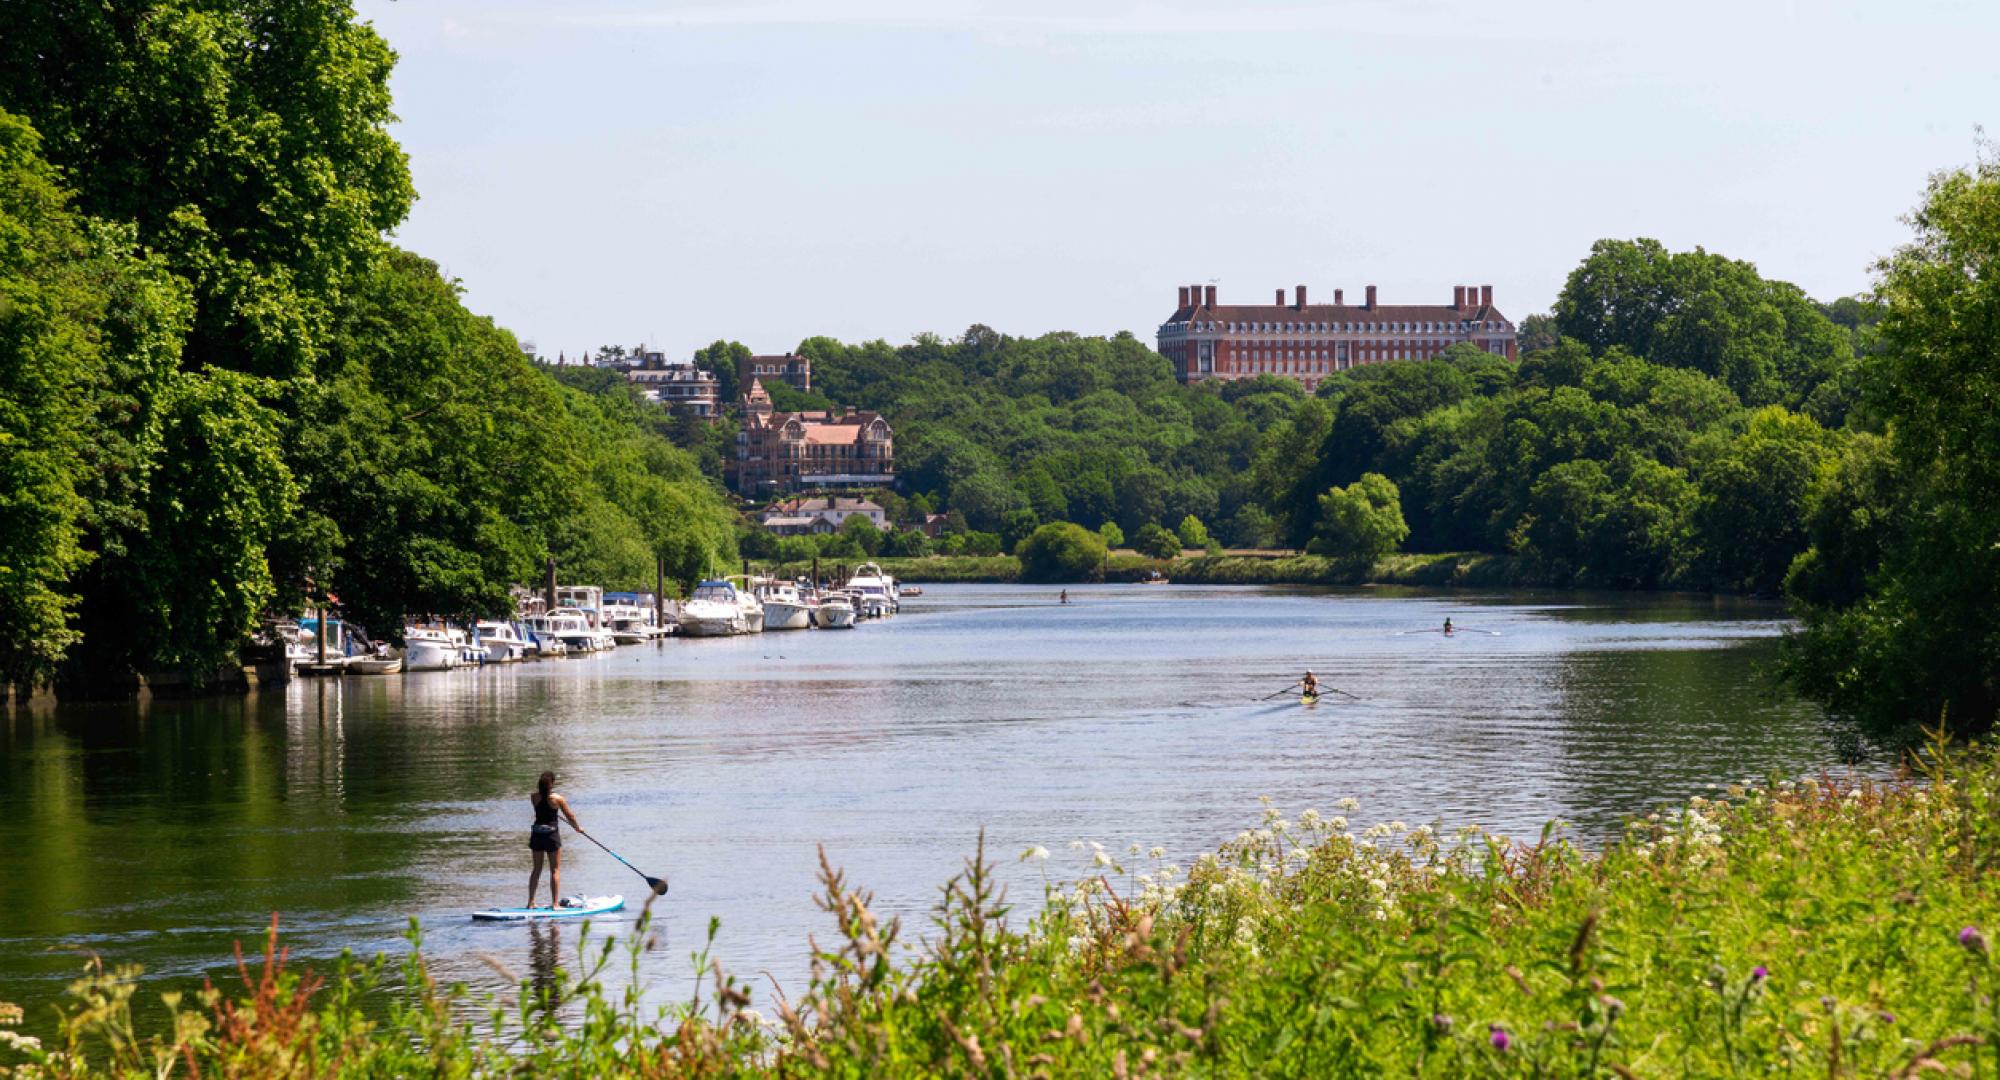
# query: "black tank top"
{"points": [[545, 810]]}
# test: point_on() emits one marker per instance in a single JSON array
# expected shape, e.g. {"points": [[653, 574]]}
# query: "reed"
{"points": [[1824, 927]]}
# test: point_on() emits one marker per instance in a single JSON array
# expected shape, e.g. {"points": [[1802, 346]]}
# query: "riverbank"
{"points": [[1825, 928], [1461, 569]]}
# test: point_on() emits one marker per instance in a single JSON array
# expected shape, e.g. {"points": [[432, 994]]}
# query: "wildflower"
{"points": [[1337, 824], [1613, 1007], [1037, 853], [1398, 827], [1441, 1022], [1097, 847], [1100, 859], [1973, 940], [1133, 848], [1309, 818], [1349, 804], [1499, 1037], [1076, 845], [751, 1017], [1156, 852], [1759, 974]]}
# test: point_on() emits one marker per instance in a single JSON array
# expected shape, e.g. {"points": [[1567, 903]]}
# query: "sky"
{"points": [[613, 171]]}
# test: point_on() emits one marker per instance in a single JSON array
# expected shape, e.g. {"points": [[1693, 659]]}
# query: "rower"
{"points": [[1309, 686], [1447, 624], [1065, 596]]}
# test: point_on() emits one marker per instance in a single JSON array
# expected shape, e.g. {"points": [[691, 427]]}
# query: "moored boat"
{"points": [[871, 591], [784, 608], [835, 612], [499, 641], [429, 649], [713, 610], [374, 665]]}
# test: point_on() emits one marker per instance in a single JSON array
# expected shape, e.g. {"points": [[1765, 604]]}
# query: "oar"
{"points": [[1280, 693], [1344, 693], [658, 885]]}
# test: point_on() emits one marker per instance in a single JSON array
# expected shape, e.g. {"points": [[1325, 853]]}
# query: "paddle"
{"points": [[658, 885], [1280, 693]]}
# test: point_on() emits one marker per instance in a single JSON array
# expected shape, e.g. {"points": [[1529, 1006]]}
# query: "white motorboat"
{"points": [[572, 627], [501, 643], [835, 612], [713, 610], [784, 608], [871, 590], [428, 649], [374, 665], [541, 637], [588, 602]]}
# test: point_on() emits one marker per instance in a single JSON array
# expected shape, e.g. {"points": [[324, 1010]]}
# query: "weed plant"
{"points": [[1818, 928]]}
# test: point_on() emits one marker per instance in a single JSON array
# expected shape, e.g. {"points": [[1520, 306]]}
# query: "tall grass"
{"points": [[1819, 928]]}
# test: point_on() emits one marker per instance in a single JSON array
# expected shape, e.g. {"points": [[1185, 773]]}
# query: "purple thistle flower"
{"points": [[1973, 940], [1500, 1038], [1759, 973]]}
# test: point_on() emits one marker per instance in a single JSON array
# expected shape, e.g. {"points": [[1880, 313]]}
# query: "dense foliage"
{"points": [[1900, 586], [1598, 464], [1062, 551], [223, 395], [1811, 928], [1017, 432]]}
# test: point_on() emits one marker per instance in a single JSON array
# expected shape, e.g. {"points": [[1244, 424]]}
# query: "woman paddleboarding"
{"points": [[545, 838]]}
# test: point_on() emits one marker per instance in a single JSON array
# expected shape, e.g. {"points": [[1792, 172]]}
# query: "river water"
{"points": [[160, 833]]}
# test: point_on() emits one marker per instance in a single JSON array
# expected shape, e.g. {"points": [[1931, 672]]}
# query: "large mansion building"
{"points": [[780, 452], [791, 369], [1307, 342], [672, 383]]}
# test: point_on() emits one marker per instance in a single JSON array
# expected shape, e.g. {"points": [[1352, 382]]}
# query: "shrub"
{"points": [[1156, 542], [1114, 537], [863, 531], [981, 543], [1361, 522], [1192, 532], [1062, 551]]}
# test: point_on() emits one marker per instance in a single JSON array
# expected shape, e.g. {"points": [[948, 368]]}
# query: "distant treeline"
{"points": [[223, 394]]}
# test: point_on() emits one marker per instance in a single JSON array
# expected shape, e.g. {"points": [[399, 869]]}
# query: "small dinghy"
{"points": [[571, 907]]}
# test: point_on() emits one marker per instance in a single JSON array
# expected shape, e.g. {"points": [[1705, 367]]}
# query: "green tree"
{"points": [[724, 359], [1061, 551], [1192, 532], [1361, 522], [795, 549], [1155, 541], [1015, 526], [982, 543], [1250, 527], [906, 544], [1113, 536], [248, 146], [1910, 642], [863, 532]]}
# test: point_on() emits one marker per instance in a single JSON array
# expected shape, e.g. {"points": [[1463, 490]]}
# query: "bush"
{"points": [[1823, 928], [1192, 532], [1114, 537], [981, 543], [1251, 527], [1062, 551], [863, 531], [906, 544], [1361, 522], [795, 549], [1156, 542]]}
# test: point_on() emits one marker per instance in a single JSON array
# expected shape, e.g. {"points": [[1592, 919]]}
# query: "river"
{"points": [[159, 833]]}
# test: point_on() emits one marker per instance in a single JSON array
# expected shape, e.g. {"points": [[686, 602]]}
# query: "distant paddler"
{"points": [[1065, 596], [1447, 625]]}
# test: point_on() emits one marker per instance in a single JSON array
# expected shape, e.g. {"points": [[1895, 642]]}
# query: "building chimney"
{"points": [[1486, 295], [1184, 296], [1280, 301], [1338, 299], [1302, 297], [1211, 296], [1371, 298], [1458, 296]]}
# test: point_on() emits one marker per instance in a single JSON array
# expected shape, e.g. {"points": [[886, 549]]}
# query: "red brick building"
{"points": [[1307, 342], [778, 452], [791, 369]]}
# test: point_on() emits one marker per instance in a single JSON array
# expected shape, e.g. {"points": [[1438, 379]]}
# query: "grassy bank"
{"points": [[1469, 570], [1814, 929]]}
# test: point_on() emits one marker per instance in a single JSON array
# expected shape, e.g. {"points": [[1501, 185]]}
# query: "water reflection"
{"points": [[161, 832]]}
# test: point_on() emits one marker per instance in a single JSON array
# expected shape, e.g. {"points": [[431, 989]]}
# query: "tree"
{"points": [[248, 146], [795, 549], [863, 532], [1156, 542], [1287, 463], [724, 359], [1061, 551], [1113, 536], [1015, 526], [1361, 522], [906, 544], [1192, 532], [1909, 640], [1250, 527], [982, 543]]}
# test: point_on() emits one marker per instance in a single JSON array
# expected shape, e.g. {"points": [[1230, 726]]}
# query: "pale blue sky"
{"points": [[606, 172]]}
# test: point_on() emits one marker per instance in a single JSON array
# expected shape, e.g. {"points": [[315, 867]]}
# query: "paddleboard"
{"points": [[590, 905]]}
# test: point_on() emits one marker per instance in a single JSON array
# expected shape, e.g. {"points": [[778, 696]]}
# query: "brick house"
{"points": [[780, 452]]}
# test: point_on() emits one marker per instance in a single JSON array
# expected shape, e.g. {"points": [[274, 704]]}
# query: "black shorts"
{"points": [[544, 838]]}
